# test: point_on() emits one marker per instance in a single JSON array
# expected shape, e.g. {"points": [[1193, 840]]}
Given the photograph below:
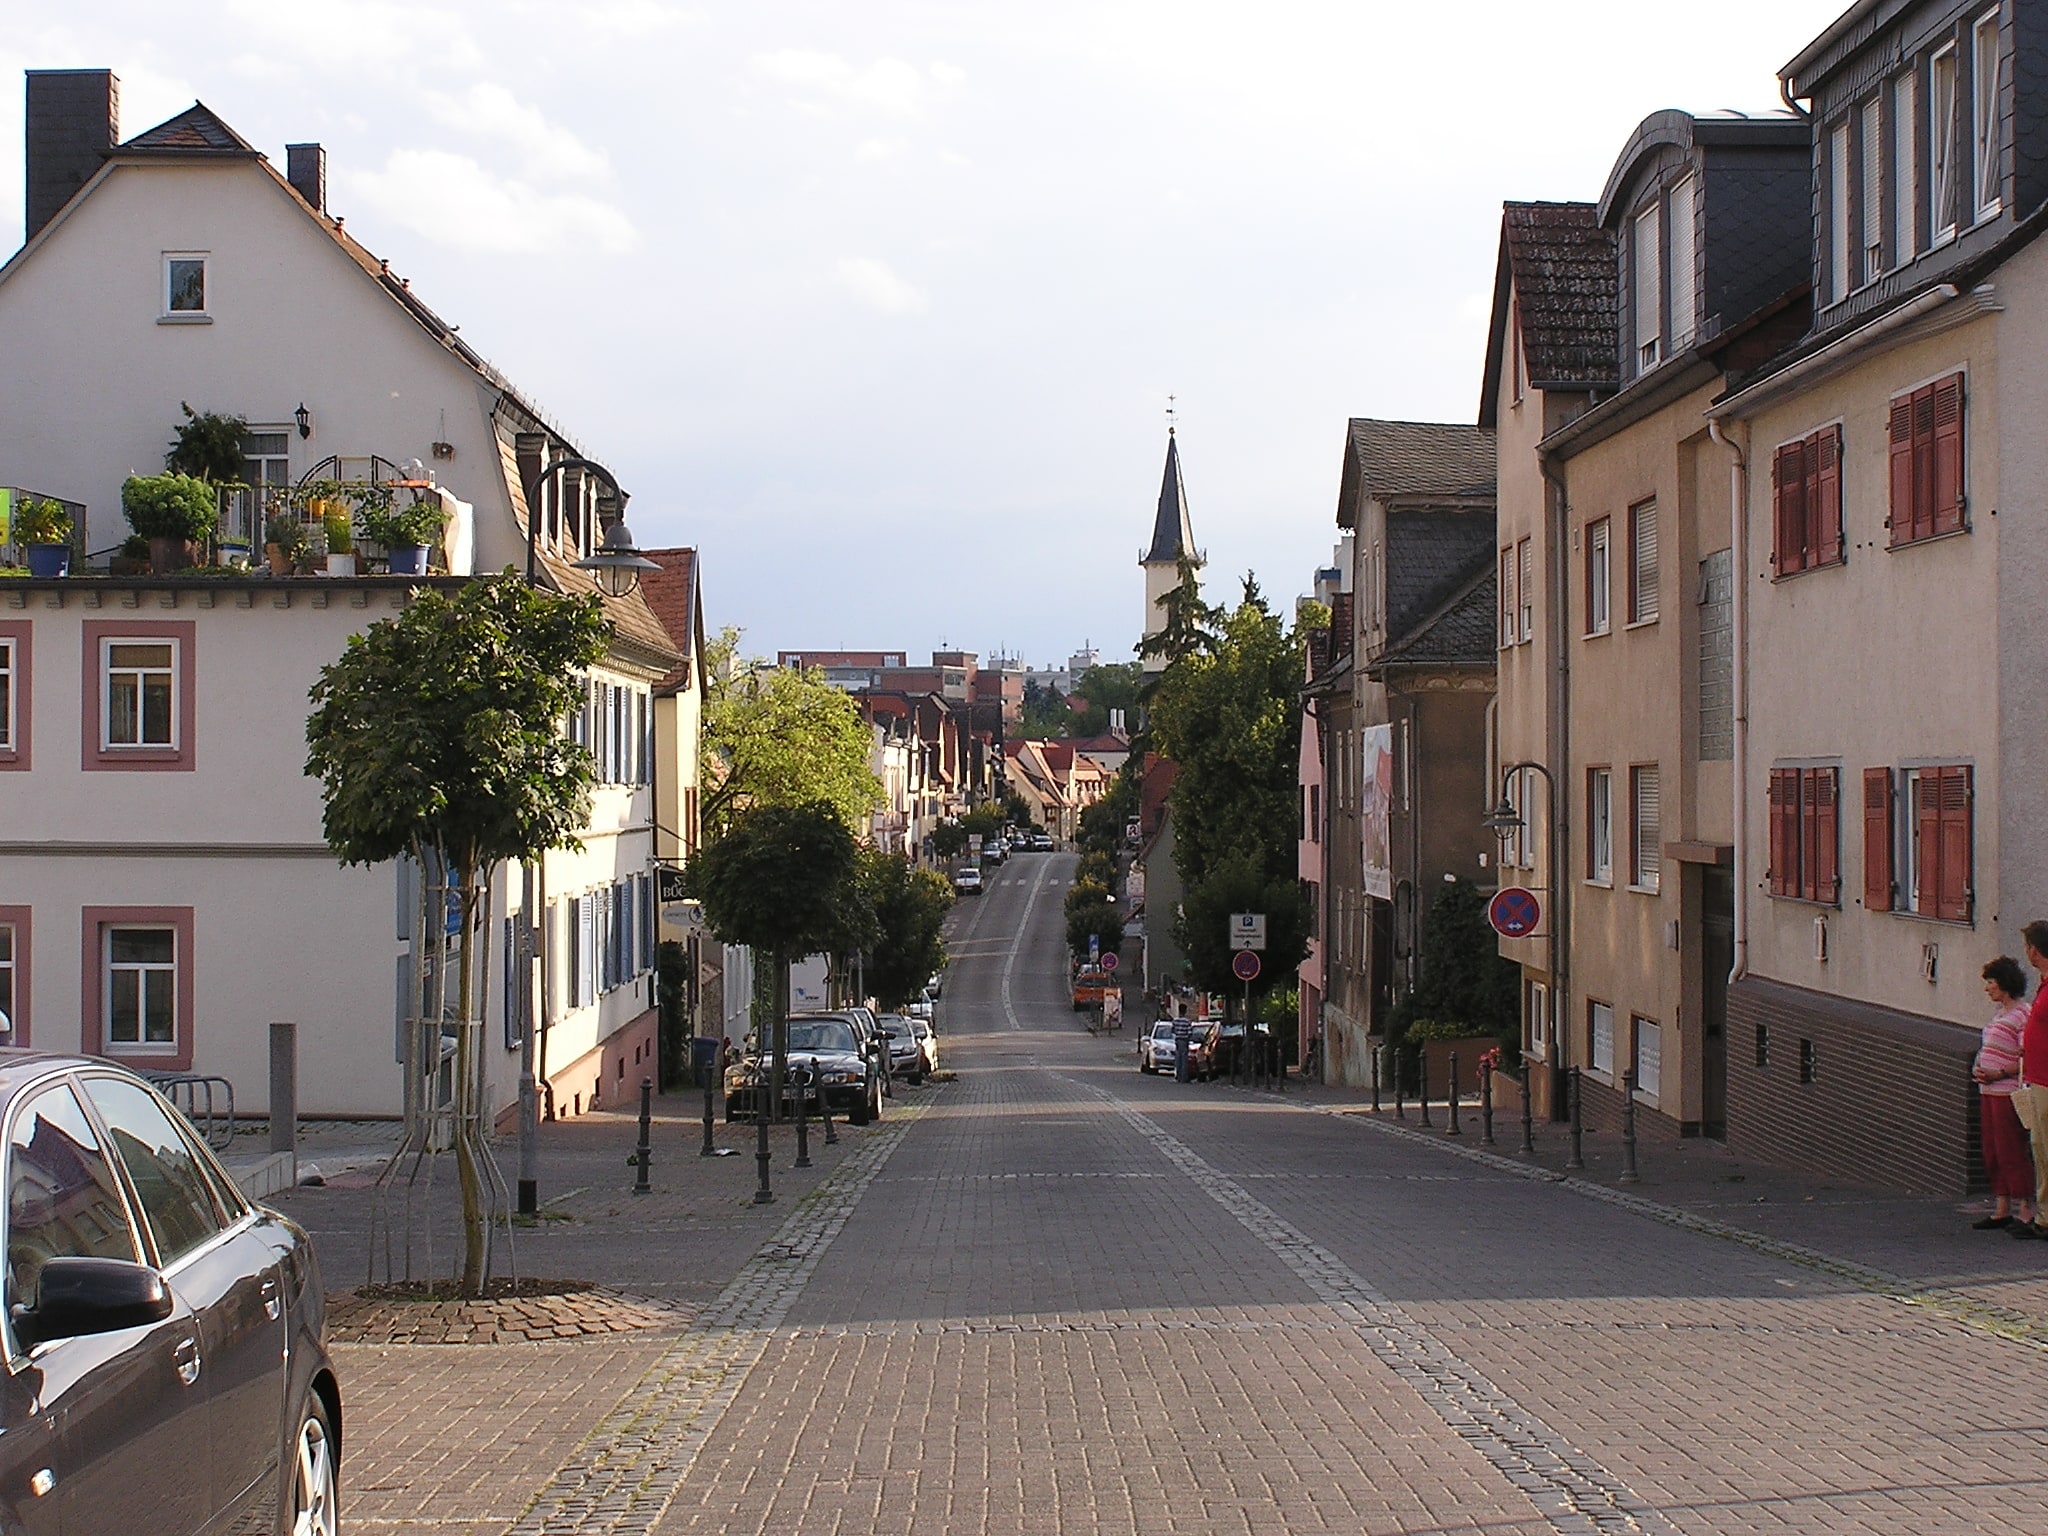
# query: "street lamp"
{"points": [[617, 565]]}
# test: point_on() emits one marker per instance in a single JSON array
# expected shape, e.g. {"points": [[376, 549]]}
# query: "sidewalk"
{"points": [[1923, 1241]]}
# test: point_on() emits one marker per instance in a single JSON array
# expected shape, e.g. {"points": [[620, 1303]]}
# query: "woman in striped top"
{"points": [[2006, 1158]]}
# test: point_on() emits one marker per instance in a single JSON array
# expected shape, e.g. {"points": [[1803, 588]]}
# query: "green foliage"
{"points": [[170, 506], [1105, 688], [1102, 824], [776, 880], [135, 547], [1097, 918], [1097, 868], [1046, 713], [1189, 625], [910, 908], [40, 520], [1241, 883], [208, 446], [1016, 809], [672, 998], [1086, 893], [1465, 987], [339, 527], [441, 728], [784, 738], [1281, 1010], [984, 821], [417, 524], [286, 532], [949, 838]]}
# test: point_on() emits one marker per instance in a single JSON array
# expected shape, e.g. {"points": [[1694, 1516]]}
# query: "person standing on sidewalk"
{"points": [[1997, 1070], [1183, 1036], [2031, 1098]]}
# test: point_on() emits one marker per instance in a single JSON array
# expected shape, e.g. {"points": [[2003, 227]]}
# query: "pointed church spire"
{"points": [[1173, 536]]}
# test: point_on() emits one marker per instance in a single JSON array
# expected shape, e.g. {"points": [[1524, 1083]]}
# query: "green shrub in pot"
{"points": [[170, 506]]}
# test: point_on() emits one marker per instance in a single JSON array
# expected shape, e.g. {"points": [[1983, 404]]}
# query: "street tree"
{"points": [[438, 736], [780, 736], [910, 907], [776, 882], [1102, 691]]}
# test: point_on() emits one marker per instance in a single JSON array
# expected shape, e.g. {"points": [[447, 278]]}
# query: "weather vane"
{"points": [[1172, 416]]}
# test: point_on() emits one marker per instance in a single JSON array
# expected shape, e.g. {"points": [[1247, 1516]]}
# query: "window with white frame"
{"points": [[1508, 602], [1838, 212], [1905, 167], [140, 693], [1646, 281], [1943, 179], [266, 471], [1536, 1019], [1985, 137], [1642, 563], [1645, 851], [1599, 576], [141, 967], [1684, 264], [1525, 583], [1600, 825], [1600, 1029], [1870, 211], [7, 693], [7, 998], [184, 284], [1649, 1056]]}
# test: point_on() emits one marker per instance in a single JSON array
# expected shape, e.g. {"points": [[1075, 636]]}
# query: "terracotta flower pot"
{"points": [[169, 556], [280, 562]]}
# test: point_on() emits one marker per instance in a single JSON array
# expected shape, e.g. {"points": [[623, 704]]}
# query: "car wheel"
{"points": [[860, 1111], [875, 1105], [316, 1501]]}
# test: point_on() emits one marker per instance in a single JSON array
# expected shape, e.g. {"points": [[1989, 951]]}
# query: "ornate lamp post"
{"points": [[1504, 821]]}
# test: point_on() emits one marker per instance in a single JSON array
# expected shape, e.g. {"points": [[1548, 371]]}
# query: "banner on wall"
{"points": [[1376, 808]]}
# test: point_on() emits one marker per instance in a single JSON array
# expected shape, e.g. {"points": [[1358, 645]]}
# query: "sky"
{"points": [[881, 305]]}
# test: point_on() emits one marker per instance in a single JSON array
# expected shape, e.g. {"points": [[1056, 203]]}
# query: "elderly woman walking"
{"points": [[2007, 1161]]}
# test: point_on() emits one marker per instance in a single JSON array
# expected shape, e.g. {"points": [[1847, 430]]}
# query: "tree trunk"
{"points": [[475, 1237], [781, 1024]]}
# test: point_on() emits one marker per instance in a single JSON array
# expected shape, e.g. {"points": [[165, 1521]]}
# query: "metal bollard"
{"points": [[1528, 1110], [764, 1195], [643, 1159], [1378, 1054], [825, 1114], [1628, 1128], [710, 1147], [1422, 1086], [1452, 1101], [803, 1114], [1485, 1102], [1577, 1161]]}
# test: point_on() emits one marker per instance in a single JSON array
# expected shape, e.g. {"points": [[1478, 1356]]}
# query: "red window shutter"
{"points": [[1787, 515], [1808, 780], [1877, 839], [1824, 873], [1784, 831], [1923, 463], [1902, 469], [1927, 841], [1947, 512], [1824, 504], [1953, 895]]}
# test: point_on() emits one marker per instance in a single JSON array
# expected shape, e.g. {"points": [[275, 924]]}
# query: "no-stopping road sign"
{"points": [[1244, 965], [1108, 960], [1514, 912]]}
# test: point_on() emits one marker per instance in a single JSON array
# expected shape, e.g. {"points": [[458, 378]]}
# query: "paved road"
{"points": [[1057, 1296]]}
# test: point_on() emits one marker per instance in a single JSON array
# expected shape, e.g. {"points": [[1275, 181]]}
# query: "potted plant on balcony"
{"points": [[176, 513], [131, 559], [336, 518], [284, 543], [408, 533], [43, 530]]}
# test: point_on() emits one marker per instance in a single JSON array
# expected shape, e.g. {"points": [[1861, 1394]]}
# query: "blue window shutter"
{"points": [[586, 944]]}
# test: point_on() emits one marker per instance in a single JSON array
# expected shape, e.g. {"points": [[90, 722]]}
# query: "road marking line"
{"points": [[629, 1468], [1571, 1490], [1017, 946]]}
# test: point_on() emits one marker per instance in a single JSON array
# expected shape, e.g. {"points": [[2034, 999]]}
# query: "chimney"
{"points": [[73, 123], [306, 170]]}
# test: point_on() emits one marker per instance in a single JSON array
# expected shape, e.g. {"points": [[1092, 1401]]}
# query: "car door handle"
{"points": [[186, 1358], [270, 1301]]}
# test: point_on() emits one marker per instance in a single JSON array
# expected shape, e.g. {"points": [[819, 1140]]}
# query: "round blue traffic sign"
{"points": [[1514, 912], [1244, 965]]}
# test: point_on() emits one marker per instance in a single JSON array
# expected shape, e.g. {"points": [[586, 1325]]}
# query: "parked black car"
{"points": [[850, 1076], [167, 1365]]}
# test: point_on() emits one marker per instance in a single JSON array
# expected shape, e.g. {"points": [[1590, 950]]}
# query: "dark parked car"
{"points": [[850, 1076], [167, 1365]]}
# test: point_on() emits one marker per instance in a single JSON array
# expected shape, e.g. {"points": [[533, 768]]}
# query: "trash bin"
{"points": [[704, 1061]]}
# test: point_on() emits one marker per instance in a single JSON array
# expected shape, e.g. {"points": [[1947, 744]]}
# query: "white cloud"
{"points": [[881, 149], [454, 201], [889, 86], [546, 149], [876, 285]]}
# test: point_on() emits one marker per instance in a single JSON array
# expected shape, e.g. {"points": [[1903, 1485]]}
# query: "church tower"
{"points": [[1173, 538]]}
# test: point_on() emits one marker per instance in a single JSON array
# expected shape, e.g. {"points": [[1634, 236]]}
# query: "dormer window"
{"points": [[1941, 133], [1684, 268], [1646, 284], [1984, 112]]}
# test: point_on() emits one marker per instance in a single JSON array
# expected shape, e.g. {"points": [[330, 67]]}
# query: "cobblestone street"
{"points": [[1058, 1296]]}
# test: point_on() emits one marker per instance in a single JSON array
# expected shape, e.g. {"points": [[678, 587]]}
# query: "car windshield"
{"points": [[891, 1025], [820, 1035], [1162, 1031]]}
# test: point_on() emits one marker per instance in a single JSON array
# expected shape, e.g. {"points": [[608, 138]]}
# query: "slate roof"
{"points": [[1457, 632], [1425, 461], [1172, 534], [672, 593], [1560, 265], [194, 128]]}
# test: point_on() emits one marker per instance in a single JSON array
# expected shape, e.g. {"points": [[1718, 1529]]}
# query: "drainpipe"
{"points": [[1738, 540], [1557, 520]]}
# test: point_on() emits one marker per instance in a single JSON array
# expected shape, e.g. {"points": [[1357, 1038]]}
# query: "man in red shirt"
{"points": [[2032, 1098]]}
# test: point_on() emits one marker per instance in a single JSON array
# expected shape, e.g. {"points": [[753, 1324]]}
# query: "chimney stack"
{"points": [[306, 170], [73, 123]]}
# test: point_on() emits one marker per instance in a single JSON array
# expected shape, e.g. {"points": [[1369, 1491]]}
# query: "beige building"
{"points": [[1551, 353]]}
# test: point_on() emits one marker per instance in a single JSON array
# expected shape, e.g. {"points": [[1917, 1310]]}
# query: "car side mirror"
{"points": [[80, 1296]]}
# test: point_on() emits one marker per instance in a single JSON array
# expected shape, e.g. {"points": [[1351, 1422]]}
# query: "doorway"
{"points": [[1717, 958]]}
